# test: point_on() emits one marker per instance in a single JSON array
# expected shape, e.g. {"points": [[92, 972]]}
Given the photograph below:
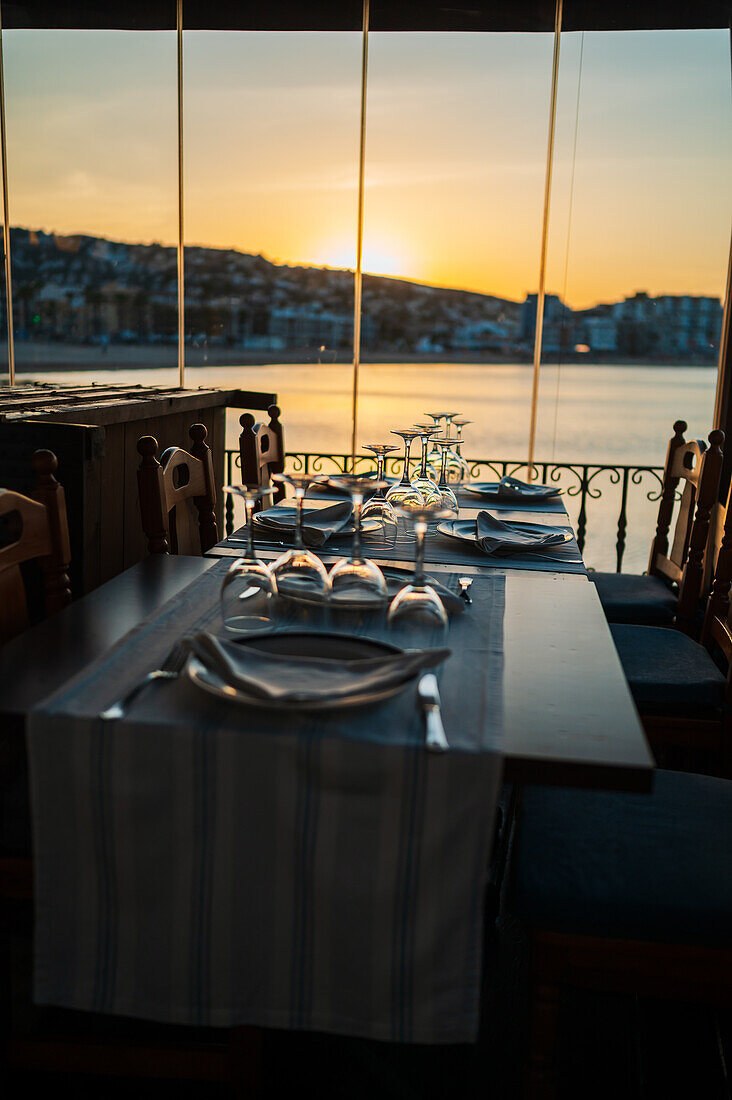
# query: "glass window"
{"points": [[271, 158], [91, 128], [638, 251]]}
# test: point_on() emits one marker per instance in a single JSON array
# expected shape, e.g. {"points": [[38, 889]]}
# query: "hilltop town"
{"points": [[84, 290]]}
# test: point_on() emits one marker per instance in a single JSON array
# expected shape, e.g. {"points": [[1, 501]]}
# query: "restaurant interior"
{"points": [[248, 692]]}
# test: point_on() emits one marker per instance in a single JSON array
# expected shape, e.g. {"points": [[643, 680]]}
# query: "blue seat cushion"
{"points": [[652, 867], [667, 672], [631, 598]]}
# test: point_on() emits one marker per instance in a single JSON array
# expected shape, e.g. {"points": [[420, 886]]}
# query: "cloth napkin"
{"points": [[511, 488], [496, 537], [318, 524], [286, 679]]}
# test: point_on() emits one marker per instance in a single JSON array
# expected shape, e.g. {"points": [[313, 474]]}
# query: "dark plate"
{"points": [[489, 490]]}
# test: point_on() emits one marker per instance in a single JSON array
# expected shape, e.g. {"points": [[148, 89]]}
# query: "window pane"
{"points": [[271, 154], [455, 153], [639, 245], [91, 123]]}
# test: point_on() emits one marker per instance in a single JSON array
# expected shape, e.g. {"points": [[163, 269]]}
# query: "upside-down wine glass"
{"points": [[417, 607], [249, 586], [460, 423], [447, 496], [403, 494], [378, 507], [426, 485], [300, 572], [355, 579]]}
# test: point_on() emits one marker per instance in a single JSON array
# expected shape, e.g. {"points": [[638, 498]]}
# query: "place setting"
{"points": [[512, 492]]}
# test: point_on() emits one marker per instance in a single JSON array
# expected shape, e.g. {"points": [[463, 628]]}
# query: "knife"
{"points": [[429, 698]]}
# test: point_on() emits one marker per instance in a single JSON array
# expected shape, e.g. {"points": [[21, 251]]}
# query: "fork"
{"points": [[170, 669]]}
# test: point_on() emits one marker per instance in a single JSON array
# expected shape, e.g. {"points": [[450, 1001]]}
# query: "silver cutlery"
{"points": [[429, 699], [465, 583], [170, 669]]}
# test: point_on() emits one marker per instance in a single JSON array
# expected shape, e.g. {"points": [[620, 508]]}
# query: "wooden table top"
{"points": [[569, 717]]}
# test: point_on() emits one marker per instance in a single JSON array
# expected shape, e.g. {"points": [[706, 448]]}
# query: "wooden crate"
{"points": [[94, 432]]}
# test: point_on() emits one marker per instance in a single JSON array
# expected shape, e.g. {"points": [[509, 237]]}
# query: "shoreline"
{"points": [[63, 357]]}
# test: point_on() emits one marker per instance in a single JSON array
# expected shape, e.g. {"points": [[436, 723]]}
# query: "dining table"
{"points": [[568, 716], [367, 851]]}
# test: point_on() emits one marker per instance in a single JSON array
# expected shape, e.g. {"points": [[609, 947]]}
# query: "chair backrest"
{"points": [[178, 496], [717, 620], [33, 528], [698, 468], [262, 450]]}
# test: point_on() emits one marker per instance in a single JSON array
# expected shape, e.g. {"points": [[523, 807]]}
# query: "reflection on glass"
{"points": [[249, 587], [417, 608], [356, 579], [377, 506], [299, 572], [403, 493]]}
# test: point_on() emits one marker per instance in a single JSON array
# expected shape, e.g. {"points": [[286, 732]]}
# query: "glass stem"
{"points": [[380, 474], [249, 514], [420, 530], [425, 444], [443, 469], [405, 476], [357, 506], [299, 495]]}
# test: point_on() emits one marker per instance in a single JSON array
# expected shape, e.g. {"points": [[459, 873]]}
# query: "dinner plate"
{"points": [[296, 644], [463, 530], [489, 490]]}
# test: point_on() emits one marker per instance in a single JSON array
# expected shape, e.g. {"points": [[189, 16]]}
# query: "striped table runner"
{"points": [[207, 865]]}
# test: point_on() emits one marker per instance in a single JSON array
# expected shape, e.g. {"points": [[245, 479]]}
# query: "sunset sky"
{"points": [[456, 148]]}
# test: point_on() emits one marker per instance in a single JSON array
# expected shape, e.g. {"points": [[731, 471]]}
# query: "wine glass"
{"points": [[249, 586], [460, 423], [300, 572], [417, 607], [378, 507], [403, 493], [355, 579], [426, 485], [447, 496]]}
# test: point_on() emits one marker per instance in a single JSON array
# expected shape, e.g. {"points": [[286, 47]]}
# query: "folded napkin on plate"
{"points": [[496, 537], [511, 488], [291, 679], [318, 524]]}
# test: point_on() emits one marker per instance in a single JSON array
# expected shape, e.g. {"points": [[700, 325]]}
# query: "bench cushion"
{"points": [[667, 672], [631, 598], [653, 867]]}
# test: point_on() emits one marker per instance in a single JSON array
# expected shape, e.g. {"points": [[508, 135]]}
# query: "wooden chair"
{"points": [[33, 529], [262, 451], [170, 488], [671, 589], [627, 893], [683, 696]]}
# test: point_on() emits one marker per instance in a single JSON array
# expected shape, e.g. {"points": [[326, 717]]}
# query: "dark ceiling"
{"points": [[386, 15]]}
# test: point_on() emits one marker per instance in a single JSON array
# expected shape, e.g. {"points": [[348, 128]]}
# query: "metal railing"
{"points": [[582, 482]]}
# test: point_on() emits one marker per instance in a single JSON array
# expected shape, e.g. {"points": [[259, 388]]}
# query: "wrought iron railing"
{"points": [[582, 482]]}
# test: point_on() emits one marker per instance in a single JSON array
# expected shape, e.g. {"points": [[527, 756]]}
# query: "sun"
{"points": [[379, 257]]}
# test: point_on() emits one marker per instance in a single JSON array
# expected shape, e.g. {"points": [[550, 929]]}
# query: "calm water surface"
{"points": [[593, 414]]}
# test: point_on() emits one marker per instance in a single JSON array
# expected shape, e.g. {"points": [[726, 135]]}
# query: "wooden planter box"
{"points": [[94, 432]]}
